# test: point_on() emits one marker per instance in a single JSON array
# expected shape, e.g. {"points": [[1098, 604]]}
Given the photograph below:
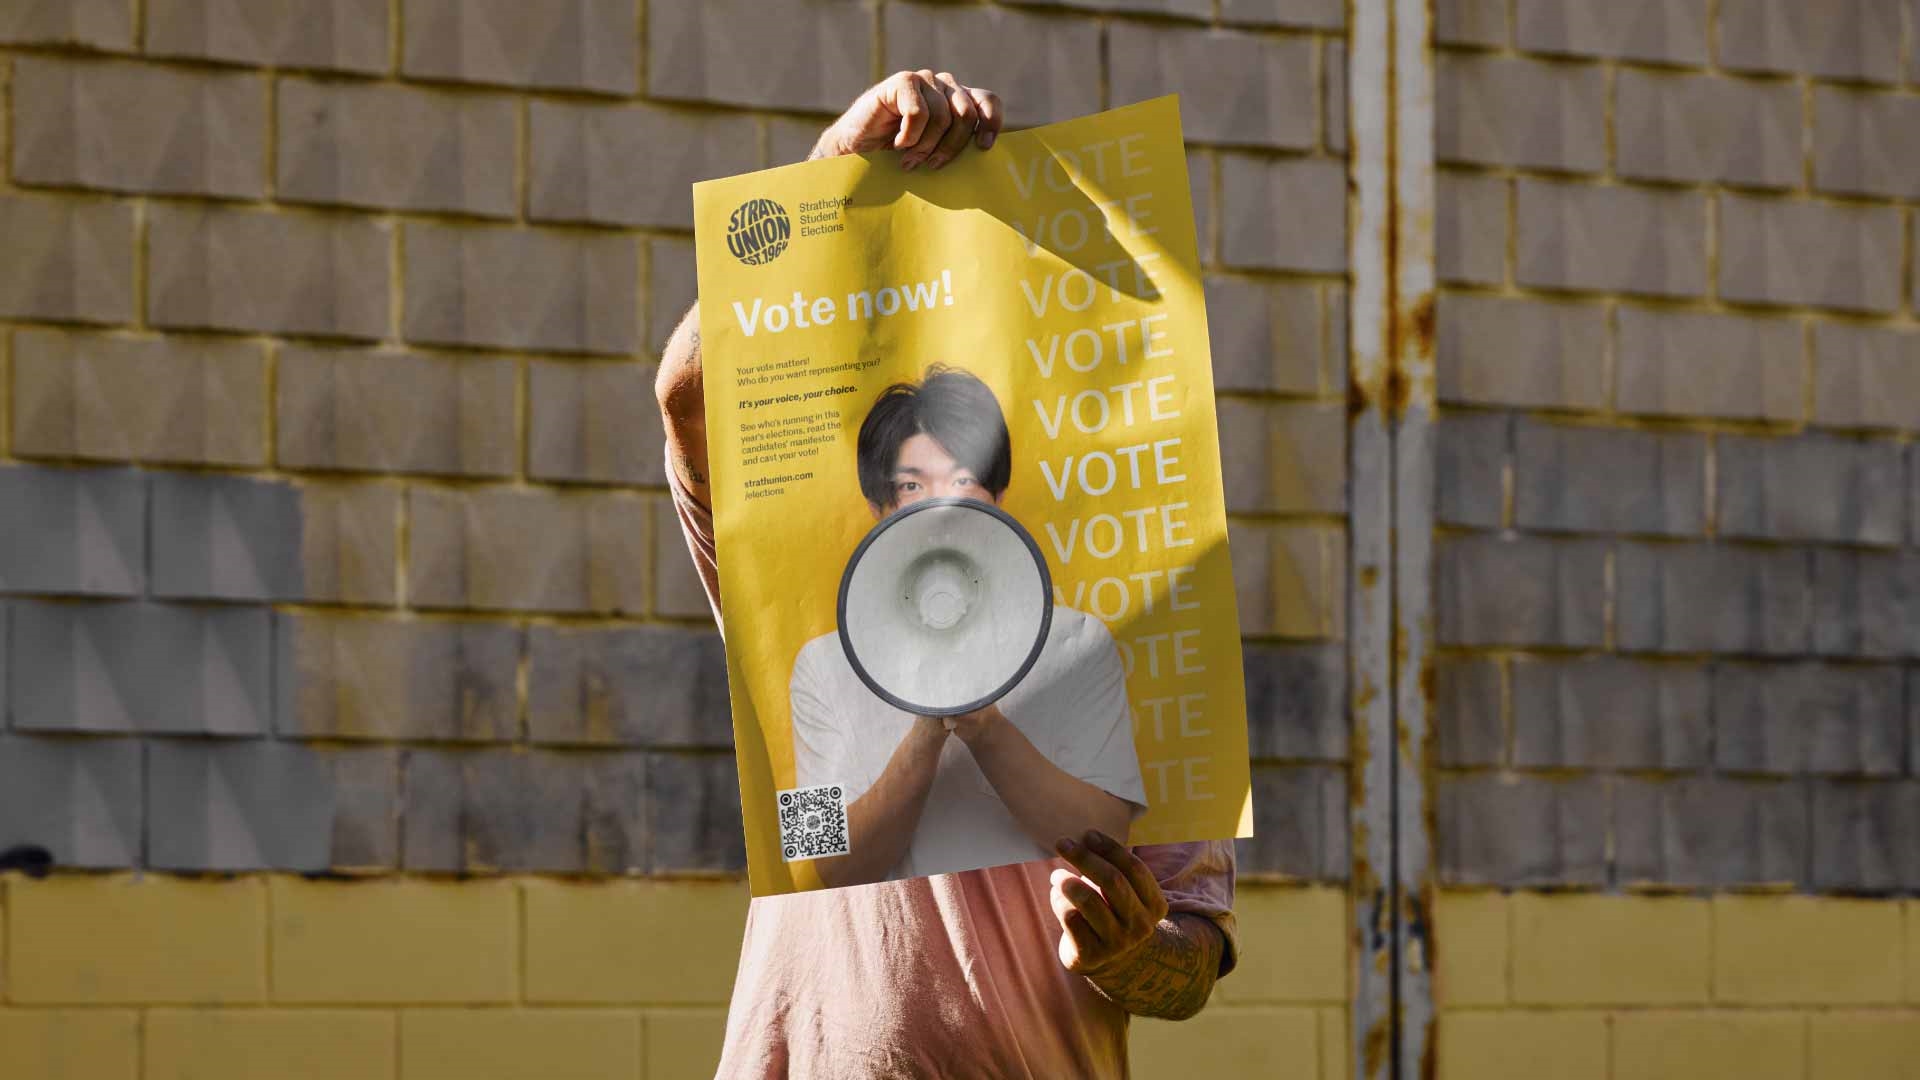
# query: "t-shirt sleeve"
{"points": [[1197, 879], [1100, 748], [819, 745]]}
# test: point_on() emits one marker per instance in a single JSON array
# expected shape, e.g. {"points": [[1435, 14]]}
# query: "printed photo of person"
{"points": [[925, 795]]}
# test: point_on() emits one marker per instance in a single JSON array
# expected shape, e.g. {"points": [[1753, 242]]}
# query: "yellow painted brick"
{"points": [[1608, 950], [1469, 949], [242, 1044], [1913, 951], [652, 942], [68, 1044], [152, 940], [510, 1044], [1293, 946], [1709, 1045], [1334, 1056], [1251, 1041], [1781, 950], [683, 1042], [1523, 1046], [398, 942], [1850, 1046]]}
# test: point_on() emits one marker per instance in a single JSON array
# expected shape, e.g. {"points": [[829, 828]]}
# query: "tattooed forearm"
{"points": [[1172, 974], [690, 469]]}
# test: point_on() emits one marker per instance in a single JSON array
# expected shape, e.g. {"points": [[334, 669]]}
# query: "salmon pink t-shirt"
{"points": [[951, 976]]}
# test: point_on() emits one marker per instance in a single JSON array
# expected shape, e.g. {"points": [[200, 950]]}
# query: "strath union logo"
{"points": [[758, 231]]}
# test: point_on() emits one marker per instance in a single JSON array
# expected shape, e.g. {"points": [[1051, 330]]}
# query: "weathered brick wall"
{"points": [[1677, 581]]}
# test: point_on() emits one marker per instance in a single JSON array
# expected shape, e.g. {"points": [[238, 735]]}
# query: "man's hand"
{"points": [[1116, 932], [928, 116], [975, 725]]}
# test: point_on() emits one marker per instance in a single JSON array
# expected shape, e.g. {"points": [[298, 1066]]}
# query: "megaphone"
{"points": [[944, 606]]}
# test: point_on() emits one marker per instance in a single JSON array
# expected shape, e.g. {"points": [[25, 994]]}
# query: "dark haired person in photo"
{"points": [[997, 785], [1020, 972]]}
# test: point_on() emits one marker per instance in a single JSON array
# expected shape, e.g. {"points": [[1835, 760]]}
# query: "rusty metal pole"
{"points": [[1372, 1036], [1413, 511]]}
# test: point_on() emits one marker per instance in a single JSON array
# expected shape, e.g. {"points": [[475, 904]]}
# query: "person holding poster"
{"points": [[1024, 970], [995, 785]]}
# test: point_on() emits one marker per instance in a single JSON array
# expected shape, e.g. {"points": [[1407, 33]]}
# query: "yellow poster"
{"points": [[968, 507]]}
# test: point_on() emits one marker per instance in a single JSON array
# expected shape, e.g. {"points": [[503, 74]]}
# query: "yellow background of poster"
{"points": [[1060, 267]]}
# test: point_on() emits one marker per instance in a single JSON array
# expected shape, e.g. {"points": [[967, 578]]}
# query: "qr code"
{"points": [[813, 822]]}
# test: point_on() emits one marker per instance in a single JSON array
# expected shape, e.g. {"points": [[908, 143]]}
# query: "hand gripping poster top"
{"points": [[968, 506]]}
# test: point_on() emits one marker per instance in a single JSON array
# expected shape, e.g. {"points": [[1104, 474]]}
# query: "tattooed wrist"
{"points": [[1171, 975]]}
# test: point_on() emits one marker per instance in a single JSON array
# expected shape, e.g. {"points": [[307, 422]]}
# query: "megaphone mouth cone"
{"points": [[945, 606]]}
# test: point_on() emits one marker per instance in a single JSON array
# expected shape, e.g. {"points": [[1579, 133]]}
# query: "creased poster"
{"points": [[968, 505]]}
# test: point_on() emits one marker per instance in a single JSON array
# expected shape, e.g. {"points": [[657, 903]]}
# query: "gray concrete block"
{"points": [[594, 423], [1299, 824], [1866, 604], [1235, 88], [67, 259], [1587, 479], [508, 549], [678, 590], [816, 56], [1471, 452], [1663, 31], [562, 44], [1863, 142], [78, 798], [1470, 22], [267, 272], [1692, 598], [1283, 213], [349, 543], [1206, 212], [1470, 228], [117, 399], [1469, 722], [1334, 94], [1913, 722], [1044, 67], [639, 686], [340, 677], [1296, 702], [1802, 253], [1684, 363], [482, 811], [1521, 352], [1495, 590], [74, 531], [1315, 14], [1501, 110], [1700, 129], [390, 411], [398, 148], [1646, 241], [1256, 598], [791, 139], [1866, 377], [241, 806], [1844, 39], [140, 666], [1709, 832], [100, 24], [522, 289], [337, 35], [614, 814], [1283, 457], [1808, 718], [1763, 487], [122, 126], [1521, 831], [693, 813], [1604, 712], [224, 537], [1863, 836], [630, 164], [671, 288], [1267, 336]]}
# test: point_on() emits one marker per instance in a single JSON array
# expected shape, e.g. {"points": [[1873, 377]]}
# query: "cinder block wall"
{"points": [[335, 539], [1677, 572]]}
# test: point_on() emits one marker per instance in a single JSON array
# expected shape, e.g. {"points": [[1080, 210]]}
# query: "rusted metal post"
{"points": [[1370, 536]]}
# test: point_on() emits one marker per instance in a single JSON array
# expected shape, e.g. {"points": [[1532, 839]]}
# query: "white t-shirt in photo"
{"points": [[1072, 706]]}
